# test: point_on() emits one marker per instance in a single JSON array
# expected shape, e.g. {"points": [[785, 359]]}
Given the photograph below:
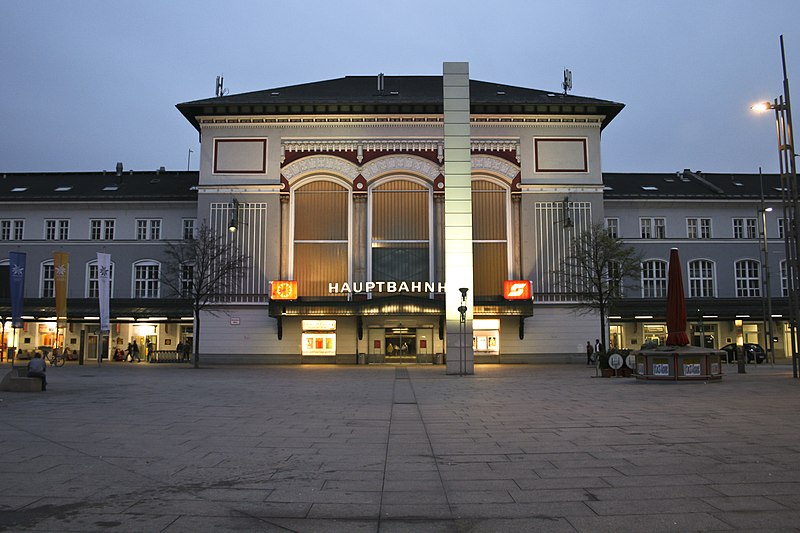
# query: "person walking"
{"points": [[135, 352], [598, 347], [589, 352]]}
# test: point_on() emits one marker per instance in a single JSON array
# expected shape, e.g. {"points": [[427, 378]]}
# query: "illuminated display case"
{"points": [[319, 337]]}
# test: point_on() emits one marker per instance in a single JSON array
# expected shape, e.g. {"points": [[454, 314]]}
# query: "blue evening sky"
{"points": [[88, 83]]}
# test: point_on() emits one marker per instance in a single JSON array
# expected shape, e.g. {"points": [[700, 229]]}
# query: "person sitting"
{"points": [[37, 368]]}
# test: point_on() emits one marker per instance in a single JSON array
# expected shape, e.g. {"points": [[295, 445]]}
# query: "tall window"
{"points": [[654, 279], [653, 228], [188, 229], [92, 284], [321, 221], [48, 286], [744, 228], [401, 231], [148, 229], [489, 239], [701, 278], [11, 230], [780, 228], [784, 279], [102, 229], [187, 280], [698, 228], [612, 226], [146, 279], [56, 230], [614, 277], [748, 278]]}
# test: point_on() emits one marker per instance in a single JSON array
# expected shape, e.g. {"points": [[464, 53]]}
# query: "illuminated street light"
{"points": [[790, 201]]}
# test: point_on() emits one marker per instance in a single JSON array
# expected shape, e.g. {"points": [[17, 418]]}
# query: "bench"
{"points": [[167, 356], [17, 380]]}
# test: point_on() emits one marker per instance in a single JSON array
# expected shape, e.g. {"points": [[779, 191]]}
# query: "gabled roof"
{"points": [[99, 186], [687, 185], [400, 94]]}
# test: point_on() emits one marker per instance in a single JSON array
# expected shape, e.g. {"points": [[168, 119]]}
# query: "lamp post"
{"points": [[765, 276], [789, 197]]}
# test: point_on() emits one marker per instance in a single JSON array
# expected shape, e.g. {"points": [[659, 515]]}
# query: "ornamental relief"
{"points": [[394, 163], [320, 163], [495, 165]]}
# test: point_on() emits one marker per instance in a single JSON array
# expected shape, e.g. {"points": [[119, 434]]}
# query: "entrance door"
{"points": [[401, 345]]}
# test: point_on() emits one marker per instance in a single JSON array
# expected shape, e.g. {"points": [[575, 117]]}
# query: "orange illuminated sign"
{"points": [[517, 289], [283, 290]]}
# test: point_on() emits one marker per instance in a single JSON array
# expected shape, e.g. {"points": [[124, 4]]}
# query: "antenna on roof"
{"points": [[567, 83], [220, 91]]}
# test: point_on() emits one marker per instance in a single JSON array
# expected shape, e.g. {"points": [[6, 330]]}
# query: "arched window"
{"points": [[489, 237], [92, 290], [654, 279], [146, 279], [401, 231], [47, 286], [748, 278], [701, 278], [321, 222]]}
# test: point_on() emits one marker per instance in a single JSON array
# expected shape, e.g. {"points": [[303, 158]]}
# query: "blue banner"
{"points": [[16, 276]]}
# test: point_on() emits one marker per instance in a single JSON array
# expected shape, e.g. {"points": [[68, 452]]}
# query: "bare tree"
{"points": [[205, 270], [597, 270]]}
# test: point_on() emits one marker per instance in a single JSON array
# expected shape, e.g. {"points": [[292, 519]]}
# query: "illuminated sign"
{"points": [[517, 289], [319, 325], [385, 286], [283, 290]]}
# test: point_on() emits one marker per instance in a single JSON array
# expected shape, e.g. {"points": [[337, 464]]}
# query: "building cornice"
{"points": [[437, 121]]}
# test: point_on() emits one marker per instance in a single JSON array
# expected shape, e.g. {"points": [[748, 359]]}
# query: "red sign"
{"points": [[423, 343], [283, 290], [517, 289]]}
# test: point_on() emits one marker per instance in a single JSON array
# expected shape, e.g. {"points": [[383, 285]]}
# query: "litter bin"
{"points": [[438, 359], [362, 359]]}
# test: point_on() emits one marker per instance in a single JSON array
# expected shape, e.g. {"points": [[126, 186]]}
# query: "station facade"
{"points": [[371, 209], [340, 190]]}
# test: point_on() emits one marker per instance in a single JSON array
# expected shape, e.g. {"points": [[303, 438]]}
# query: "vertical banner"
{"points": [[103, 285], [16, 262], [60, 273]]}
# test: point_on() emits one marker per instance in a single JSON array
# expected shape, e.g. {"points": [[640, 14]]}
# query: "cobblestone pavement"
{"points": [[137, 447]]}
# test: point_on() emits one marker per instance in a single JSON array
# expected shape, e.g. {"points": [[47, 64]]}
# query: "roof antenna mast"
{"points": [[220, 91], [567, 83]]}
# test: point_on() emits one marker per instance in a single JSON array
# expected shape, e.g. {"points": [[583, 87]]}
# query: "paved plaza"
{"points": [[138, 447]]}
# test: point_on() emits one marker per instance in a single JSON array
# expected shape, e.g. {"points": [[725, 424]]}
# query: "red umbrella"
{"points": [[676, 303]]}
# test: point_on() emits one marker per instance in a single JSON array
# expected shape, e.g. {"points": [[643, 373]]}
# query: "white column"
{"points": [[457, 217]]}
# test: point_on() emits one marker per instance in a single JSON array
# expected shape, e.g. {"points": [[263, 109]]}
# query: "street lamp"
{"points": [[765, 281], [789, 197]]}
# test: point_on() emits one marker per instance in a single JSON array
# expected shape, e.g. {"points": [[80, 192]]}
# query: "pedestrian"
{"points": [[598, 347], [37, 368], [135, 352], [589, 352]]}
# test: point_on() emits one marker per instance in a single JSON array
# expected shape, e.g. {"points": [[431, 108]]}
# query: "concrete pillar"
{"points": [[359, 252], [286, 224], [458, 218]]}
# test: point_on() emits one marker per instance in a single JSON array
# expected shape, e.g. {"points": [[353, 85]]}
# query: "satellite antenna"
{"points": [[567, 83], [220, 91]]}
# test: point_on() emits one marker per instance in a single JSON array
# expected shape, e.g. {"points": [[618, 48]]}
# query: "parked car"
{"points": [[753, 351]]}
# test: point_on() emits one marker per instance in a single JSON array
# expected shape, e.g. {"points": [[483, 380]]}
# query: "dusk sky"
{"points": [[92, 82]]}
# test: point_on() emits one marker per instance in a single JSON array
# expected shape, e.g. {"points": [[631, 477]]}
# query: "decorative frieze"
{"points": [[494, 165], [317, 163], [400, 163]]}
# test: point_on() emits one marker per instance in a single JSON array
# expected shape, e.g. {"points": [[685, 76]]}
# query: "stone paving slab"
{"points": [[386, 448]]}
